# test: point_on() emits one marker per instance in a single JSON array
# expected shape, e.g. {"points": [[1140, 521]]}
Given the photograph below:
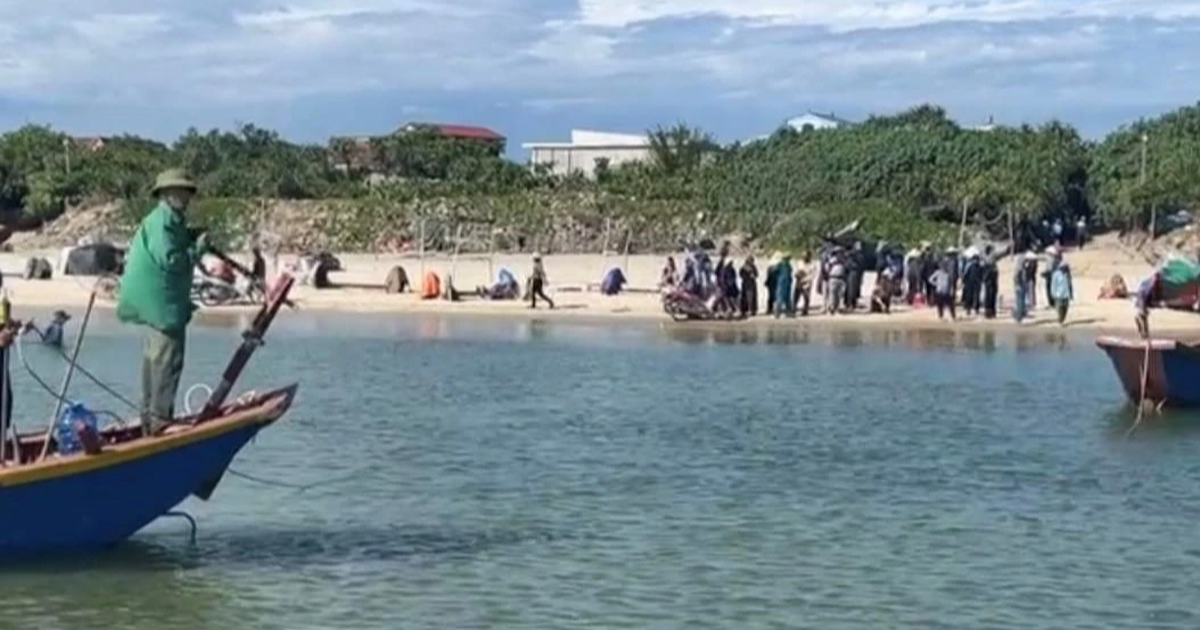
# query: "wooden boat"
{"points": [[80, 500], [1173, 374], [85, 500]]}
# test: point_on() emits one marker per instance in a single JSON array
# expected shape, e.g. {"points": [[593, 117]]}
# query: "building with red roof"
{"points": [[356, 152]]}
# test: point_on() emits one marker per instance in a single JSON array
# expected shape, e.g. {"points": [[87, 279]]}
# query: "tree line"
{"points": [[912, 175]]}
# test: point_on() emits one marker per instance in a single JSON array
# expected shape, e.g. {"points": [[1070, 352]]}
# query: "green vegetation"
{"points": [[909, 176]]}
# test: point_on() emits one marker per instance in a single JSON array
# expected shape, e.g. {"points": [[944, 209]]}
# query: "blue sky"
{"points": [[533, 69]]}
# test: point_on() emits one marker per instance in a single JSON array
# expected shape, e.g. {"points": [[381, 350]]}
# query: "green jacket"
{"points": [[157, 284]]}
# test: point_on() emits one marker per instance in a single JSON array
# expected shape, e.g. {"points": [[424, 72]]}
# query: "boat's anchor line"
{"points": [[187, 517]]}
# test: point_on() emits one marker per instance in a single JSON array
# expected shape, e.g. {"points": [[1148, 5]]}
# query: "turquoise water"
{"points": [[504, 474]]}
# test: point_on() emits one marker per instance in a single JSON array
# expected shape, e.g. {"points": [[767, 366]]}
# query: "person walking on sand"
{"points": [[943, 291], [783, 289], [1022, 271], [537, 284], [855, 263], [156, 292], [912, 276], [835, 288], [670, 275], [990, 278], [971, 282], [1055, 255], [1062, 290], [749, 276], [771, 282], [802, 295]]}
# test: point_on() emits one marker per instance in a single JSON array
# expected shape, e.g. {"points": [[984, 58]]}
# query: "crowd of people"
{"points": [[923, 277]]}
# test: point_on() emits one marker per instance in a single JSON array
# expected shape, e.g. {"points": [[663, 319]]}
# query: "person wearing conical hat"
{"points": [[155, 292]]}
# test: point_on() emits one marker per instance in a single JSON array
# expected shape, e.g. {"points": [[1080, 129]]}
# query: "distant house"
{"points": [[817, 120], [352, 153], [89, 143], [988, 126], [586, 148], [356, 153]]}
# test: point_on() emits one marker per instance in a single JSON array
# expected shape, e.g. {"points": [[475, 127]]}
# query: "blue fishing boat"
{"points": [[1172, 369], [85, 487], [83, 500]]}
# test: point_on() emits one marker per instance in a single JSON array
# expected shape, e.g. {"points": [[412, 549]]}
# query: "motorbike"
{"points": [[213, 292], [683, 305]]}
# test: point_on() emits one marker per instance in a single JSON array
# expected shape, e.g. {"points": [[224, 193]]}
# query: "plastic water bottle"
{"points": [[64, 430], [5, 307]]}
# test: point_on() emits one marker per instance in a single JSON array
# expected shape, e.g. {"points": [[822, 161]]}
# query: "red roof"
{"points": [[461, 131]]}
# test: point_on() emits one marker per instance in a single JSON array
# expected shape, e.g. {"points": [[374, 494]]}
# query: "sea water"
{"points": [[538, 475]]}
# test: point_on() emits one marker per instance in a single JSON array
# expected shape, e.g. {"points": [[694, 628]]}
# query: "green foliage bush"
{"points": [[908, 176]]}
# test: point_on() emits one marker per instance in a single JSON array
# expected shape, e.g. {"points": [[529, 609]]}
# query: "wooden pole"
{"points": [[491, 253], [604, 246], [628, 242], [454, 259], [421, 275], [962, 226], [1012, 233]]}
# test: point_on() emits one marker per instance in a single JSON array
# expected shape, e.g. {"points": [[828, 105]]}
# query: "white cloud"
{"points": [[234, 56], [843, 15]]}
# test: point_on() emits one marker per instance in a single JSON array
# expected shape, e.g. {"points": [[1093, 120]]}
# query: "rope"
{"points": [[292, 486], [1141, 413]]}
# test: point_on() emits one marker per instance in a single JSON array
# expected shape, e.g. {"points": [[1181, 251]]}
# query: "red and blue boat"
{"points": [[124, 480], [1172, 369]]}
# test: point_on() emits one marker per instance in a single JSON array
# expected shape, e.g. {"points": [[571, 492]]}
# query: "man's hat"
{"points": [[172, 178]]}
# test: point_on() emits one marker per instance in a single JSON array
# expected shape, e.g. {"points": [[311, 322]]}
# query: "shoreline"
{"points": [[571, 274], [920, 320]]}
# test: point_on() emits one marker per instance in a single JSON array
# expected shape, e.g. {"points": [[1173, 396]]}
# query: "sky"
{"points": [[534, 69]]}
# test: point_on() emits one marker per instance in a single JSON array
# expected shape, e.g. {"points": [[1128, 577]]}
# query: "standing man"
{"points": [[538, 282], [156, 293], [749, 275]]}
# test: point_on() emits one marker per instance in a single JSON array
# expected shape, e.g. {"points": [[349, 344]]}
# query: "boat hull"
{"points": [[90, 501], [1172, 375]]}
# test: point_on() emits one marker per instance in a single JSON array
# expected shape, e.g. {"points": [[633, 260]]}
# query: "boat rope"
{"points": [[295, 486], [1141, 412]]}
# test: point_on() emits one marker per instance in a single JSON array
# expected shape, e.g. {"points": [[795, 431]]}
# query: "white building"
{"points": [[585, 147], [816, 120], [990, 125]]}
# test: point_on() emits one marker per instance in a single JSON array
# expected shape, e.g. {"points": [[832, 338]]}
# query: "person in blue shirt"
{"points": [[53, 334]]}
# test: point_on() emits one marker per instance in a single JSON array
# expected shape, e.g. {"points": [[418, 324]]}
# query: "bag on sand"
{"points": [[38, 269], [397, 281], [431, 286]]}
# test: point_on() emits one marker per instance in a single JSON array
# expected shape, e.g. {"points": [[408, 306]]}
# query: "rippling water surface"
{"points": [[499, 474]]}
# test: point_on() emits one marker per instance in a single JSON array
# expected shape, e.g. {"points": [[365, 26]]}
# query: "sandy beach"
{"points": [[572, 286]]}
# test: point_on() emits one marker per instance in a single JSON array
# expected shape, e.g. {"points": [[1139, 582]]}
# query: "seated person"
{"points": [[614, 281], [505, 288], [53, 335]]}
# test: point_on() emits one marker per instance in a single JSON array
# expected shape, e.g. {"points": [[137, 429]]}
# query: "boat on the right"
{"points": [[1169, 367]]}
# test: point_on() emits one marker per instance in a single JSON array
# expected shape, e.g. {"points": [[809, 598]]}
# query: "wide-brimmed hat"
{"points": [[172, 178], [61, 315], [537, 256]]}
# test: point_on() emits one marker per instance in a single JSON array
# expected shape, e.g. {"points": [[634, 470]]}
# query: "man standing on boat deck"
{"points": [[155, 292]]}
